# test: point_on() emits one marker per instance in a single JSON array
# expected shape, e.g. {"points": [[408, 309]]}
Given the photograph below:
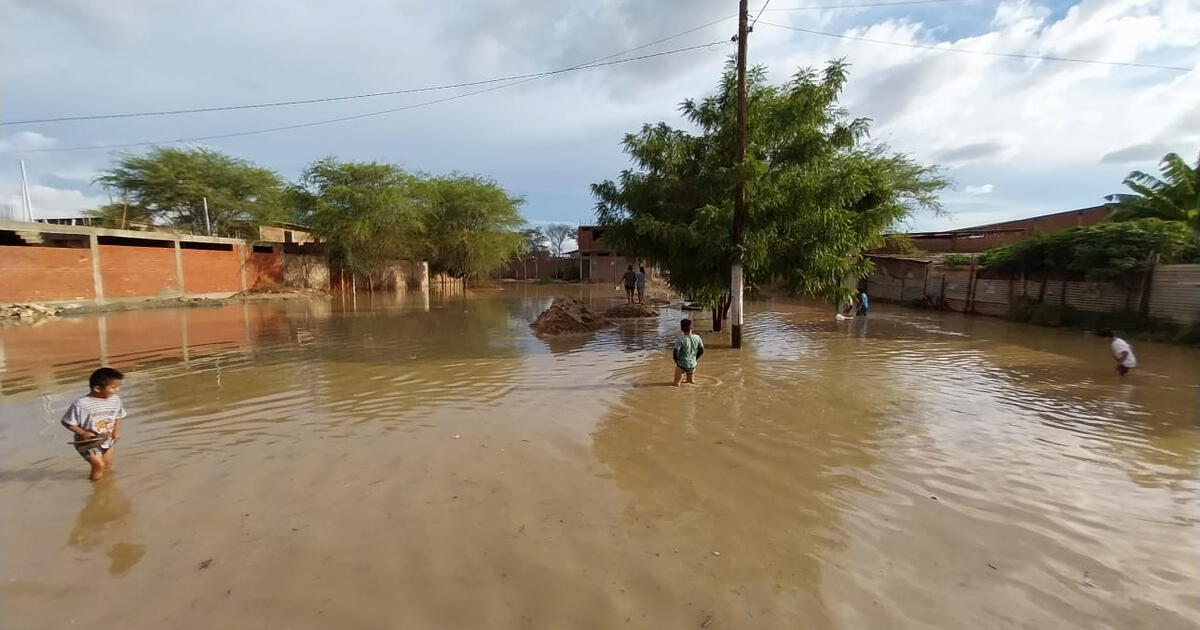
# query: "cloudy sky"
{"points": [[1019, 137]]}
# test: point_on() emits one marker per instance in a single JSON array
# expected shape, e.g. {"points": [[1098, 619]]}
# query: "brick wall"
{"points": [[211, 271], [138, 271], [541, 268], [264, 270], [24, 272]]}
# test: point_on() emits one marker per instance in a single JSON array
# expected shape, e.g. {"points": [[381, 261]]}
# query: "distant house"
{"points": [[980, 238], [279, 232], [597, 261]]}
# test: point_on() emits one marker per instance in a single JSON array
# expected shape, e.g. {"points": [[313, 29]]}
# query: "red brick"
{"points": [[264, 270], [211, 271], [137, 271], [45, 274]]}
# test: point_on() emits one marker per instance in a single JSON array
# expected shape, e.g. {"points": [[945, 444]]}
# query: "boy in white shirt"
{"points": [[1121, 351]]}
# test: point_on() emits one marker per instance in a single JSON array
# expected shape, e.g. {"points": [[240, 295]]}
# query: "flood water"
{"points": [[426, 462]]}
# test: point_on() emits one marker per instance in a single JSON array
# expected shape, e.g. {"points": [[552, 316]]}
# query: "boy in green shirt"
{"points": [[688, 349]]}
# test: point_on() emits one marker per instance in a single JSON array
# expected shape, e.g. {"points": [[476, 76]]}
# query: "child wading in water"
{"points": [[1121, 352], [688, 349], [95, 420]]}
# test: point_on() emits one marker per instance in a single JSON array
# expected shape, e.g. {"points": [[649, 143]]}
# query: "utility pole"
{"points": [[25, 194], [207, 225], [736, 280]]}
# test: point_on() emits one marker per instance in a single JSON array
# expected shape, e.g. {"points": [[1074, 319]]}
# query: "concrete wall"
{"points": [[305, 271]]}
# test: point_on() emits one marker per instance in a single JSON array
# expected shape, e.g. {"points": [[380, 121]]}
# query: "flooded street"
{"points": [[426, 462]]}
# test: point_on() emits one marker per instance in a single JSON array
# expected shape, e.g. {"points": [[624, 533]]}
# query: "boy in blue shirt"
{"points": [[688, 349]]}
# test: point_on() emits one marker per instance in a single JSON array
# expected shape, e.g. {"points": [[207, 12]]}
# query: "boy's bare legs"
{"points": [[107, 458], [97, 463], [641, 296], [678, 375], [689, 378]]}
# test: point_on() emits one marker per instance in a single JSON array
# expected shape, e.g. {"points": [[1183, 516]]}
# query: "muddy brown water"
{"points": [[425, 462]]}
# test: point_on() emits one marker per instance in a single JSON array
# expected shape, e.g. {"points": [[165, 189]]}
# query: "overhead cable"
{"points": [[332, 99], [519, 80], [991, 53]]}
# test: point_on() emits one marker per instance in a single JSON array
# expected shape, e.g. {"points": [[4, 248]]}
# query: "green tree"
{"points": [[120, 215], [558, 233], [533, 240], [818, 193], [169, 187], [1116, 252], [472, 224], [368, 214], [1173, 197]]}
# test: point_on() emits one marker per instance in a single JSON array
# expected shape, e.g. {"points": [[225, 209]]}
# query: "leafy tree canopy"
{"points": [[168, 187], [1111, 251], [533, 241], [1173, 197], [367, 213], [372, 215], [818, 193], [472, 224]]}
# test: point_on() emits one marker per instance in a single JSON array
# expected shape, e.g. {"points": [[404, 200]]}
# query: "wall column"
{"points": [[97, 277], [179, 267], [243, 254]]}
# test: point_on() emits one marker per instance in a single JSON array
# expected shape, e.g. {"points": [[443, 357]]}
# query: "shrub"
{"points": [[956, 260]]}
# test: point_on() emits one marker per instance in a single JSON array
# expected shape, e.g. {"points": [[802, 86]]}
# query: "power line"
{"points": [[520, 79], [332, 99], [1131, 64], [760, 12], [859, 6]]}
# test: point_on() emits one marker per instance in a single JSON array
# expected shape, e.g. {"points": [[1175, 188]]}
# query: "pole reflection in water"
{"points": [[377, 460]]}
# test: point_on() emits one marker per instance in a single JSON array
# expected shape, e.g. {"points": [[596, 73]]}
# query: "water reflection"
{"points": [[909, 469], [105, 524]]}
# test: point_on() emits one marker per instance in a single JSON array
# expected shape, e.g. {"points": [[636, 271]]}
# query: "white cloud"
{"points": [[1049, 135], [26, 141], [48, 202], [985, 189]]}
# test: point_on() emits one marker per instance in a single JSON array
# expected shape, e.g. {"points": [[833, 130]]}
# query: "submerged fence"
{"points": [[1168, 292]]}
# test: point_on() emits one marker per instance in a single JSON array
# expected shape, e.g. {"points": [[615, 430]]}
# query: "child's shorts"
{"points": [[685, 370], [91, 448], [1123, 369]]}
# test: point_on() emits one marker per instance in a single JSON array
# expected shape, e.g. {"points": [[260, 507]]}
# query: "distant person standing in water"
{"points": [[641, 284], [689, 347], [1122, 353], [864, 303], [630, 281]]}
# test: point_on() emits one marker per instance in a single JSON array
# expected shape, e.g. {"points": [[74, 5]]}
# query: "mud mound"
{"points": [[630, 311], [568, 316]]}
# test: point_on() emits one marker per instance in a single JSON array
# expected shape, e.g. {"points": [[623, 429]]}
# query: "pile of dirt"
{"points": [[568, 316], [630, 311], [28, 312]]}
